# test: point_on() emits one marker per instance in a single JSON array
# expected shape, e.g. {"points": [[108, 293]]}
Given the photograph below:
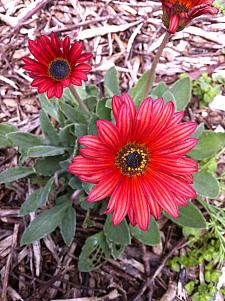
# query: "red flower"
{"points": [[58, 64], [178, 13], [139, 161]]}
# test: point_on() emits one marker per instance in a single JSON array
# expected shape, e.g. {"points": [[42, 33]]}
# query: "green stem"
{"points": [[151, 72], [78, 99]]}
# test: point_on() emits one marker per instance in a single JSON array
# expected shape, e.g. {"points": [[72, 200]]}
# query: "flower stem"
{"points": [[151, 72], [78, 99]]}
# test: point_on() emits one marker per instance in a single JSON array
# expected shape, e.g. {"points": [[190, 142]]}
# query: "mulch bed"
{"points": [[125, 34]]}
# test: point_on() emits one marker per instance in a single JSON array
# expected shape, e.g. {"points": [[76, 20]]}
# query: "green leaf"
{"points": [[118, 234], [92, 130], [94, 248], [137, 93], [25, 140], [48, 129], [181, 90], [37, 199], [92, 90], [45, 151], [48, 106], [14, 174], [111, 83], [159, 89], [75, 183], [68, 225], [47, 166], [45, 223], [91, 102], [199, 131], [80, 130], [150, 237], [5, 142], [6, 128], [68, 97], [67, 135], [68, 111], [206, 185], [115, 249], [102, 111], [168, 96], [31, 203], [72, 114], [81, 90], [189, 216], [87, 187], [209, 144]]}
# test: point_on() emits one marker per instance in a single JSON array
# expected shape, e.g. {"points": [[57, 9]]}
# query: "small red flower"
{"points": [[139, 161], [178, 13], [58, 64]]}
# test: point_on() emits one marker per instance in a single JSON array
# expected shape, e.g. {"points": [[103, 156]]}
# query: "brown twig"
{"points": [[33, 11], [8, 263], [89, 22], [150, 281]]}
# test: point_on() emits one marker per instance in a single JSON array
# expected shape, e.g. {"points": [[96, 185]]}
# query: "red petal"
{"points": [[98, 155], [79, 75], [76, 81], [174, 23], [143, 119], [105, 187], [108, 133], [177, 186], [75, 52], [120, 200], [132, 217], [180, 166], [164, 198], [51, 92], [117, 103], [140, 205], [173, 135], [178, 150], [94, 142], [82, 67], [84, 166], [127, 99], [155, 209], [66, 47], [161, 118], [124, 123], [55, 44], [86, 56]]}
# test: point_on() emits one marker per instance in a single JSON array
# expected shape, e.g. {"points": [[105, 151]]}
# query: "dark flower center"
{"points": [[59, 69], [132, 159]]}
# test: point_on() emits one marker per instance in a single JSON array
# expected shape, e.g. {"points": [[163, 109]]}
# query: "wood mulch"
{"points": [[121, 33]]}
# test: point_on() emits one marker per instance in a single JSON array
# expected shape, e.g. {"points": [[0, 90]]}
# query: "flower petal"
{"points": [[105, 187]]}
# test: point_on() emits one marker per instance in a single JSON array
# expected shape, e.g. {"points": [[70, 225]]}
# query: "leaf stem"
{"points": [[78, 99], [151, 72]]}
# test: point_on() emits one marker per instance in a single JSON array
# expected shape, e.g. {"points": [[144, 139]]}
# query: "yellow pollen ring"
{"points": [[132, 159]]}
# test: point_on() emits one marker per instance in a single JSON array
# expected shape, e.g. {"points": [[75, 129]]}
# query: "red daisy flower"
{"points": [[58, 64], [178, 13], [139, 161]]}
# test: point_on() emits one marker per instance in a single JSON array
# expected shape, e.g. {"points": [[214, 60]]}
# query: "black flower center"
{"points": [[59, 69], [132, 159]]}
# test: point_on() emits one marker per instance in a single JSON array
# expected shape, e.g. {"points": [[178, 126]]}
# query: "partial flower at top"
{"points": [[58, 64], [139, 161], [178, 13]]}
